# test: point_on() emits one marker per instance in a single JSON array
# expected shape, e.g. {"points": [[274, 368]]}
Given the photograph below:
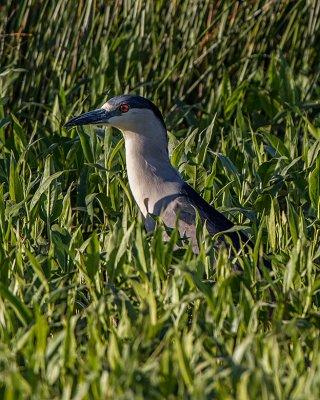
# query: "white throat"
{"points": [[152, 179]]}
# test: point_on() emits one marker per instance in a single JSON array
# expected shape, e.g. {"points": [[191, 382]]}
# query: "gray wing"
{"points": [[185, 206], [182, 212], [216, 222]]}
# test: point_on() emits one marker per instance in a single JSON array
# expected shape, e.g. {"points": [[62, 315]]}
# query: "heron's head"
{"points": [[129, 113]]}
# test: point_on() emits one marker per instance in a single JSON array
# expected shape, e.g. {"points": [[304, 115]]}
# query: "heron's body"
{"points": [[156, 185], [150, 173]]}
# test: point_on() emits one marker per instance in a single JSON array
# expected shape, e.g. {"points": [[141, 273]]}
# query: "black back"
{"points": [[217, 221]]}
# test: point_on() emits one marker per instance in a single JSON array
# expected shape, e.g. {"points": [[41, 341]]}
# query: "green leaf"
{"points": [[85, 141], [36, 266], [124, 243], [21, 310], [93, 255], [293, 218], [314, 184], [277, 144], [183, 362], [272, 226], [313, 130], [43, 187], [15, 186]]}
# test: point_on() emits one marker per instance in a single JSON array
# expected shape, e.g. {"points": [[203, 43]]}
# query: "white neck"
{"points": [[152, 179]]}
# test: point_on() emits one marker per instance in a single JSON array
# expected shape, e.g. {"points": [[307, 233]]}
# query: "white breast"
{"points": [[152, 178]]}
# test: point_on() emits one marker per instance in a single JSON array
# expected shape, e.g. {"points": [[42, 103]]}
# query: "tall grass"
{"points": [[91, 307]]}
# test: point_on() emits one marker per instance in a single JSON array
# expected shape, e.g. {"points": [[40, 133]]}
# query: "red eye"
{"points": [[124, 108]]}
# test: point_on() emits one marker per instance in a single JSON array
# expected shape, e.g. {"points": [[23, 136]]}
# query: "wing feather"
{"points": [[216, 222]]}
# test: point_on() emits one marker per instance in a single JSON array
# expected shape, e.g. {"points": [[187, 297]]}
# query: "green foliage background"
{"points": [[90, 306]]}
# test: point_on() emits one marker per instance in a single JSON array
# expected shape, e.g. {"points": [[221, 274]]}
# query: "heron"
{"points": [[157, 187]]}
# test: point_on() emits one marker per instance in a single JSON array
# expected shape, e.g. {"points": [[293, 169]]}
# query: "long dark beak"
{"points": [[94, 117]]}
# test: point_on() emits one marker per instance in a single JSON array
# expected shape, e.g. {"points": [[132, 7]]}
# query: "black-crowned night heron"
{"points": [[156, 185]]}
